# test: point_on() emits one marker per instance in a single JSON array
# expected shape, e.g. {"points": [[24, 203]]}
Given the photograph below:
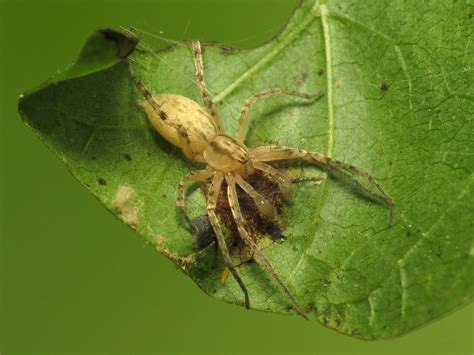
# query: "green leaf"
{"points": [[399, 103]]}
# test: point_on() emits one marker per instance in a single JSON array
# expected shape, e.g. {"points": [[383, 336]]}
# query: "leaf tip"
{"points": [[125, 43]]}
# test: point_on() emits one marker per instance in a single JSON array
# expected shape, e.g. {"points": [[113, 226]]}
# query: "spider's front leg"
{"points": [[212, 197], [245, 110], [276, 153], [260, 257], [283, 181]]}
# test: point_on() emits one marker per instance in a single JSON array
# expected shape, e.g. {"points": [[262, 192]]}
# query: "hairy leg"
{"points": [[239, 221], [283, 181], [203, 90], [245, 110], [276, 153], [317, 179], [263, 205], [211, 211], [146, 93]]}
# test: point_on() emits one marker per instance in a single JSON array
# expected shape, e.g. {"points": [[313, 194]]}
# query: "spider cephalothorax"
{"points": [[226, 155], [199, 132]]}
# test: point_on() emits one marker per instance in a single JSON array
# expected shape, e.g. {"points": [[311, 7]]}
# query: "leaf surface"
{"points": [[399, 103]]}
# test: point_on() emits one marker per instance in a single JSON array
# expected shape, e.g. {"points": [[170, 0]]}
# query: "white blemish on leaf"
{"points": [[123, 203]]}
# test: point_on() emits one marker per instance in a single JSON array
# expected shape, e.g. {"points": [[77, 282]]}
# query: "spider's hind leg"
{"points": [[203, 90], [318, 179], [284, 182], [348, 171], [146, 93]]}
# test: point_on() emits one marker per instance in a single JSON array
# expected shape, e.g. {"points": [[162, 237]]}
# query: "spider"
{"points": [[199, 132]]}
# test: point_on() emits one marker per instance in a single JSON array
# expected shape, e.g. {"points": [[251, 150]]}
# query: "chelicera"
{"points": [[198, 131]]}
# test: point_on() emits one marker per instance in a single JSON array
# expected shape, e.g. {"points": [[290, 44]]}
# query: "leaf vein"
{"points": [[356, 23], [399, 264], [403, 64], [270, 55]]}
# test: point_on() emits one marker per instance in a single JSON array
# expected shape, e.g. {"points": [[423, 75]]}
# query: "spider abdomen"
{"points": [[182, 122]]}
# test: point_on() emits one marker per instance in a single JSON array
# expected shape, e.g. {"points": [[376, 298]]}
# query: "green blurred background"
{"points": [[76, 280]]}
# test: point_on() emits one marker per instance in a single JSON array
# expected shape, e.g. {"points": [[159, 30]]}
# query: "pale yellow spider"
{"points": [[198, 131]]}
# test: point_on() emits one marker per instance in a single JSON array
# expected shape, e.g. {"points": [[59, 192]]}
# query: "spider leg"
{"points": [[239, 221], [211, 211], [196, 175], [317, 179], [225, 273], [146, 93], [203, 90], [245, 110], [276, 153], [263, 205], [283, 181]]}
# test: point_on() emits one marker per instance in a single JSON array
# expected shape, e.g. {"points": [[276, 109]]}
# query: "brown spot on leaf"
{"points": [[127, 157], [384, 87], [102, 181], [339, 83], [302, 77]]}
